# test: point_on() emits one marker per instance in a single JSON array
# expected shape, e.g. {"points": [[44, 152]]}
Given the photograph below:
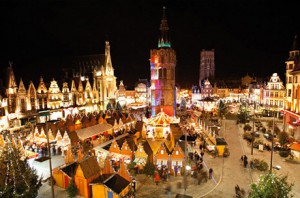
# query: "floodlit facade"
{"points": [[207, 64], [274, 94], [162, 69]]}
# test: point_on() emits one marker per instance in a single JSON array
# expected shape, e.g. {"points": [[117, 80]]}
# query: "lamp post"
{"points": [[253, 137], [272, 138], [50, 164], [185, 160]]}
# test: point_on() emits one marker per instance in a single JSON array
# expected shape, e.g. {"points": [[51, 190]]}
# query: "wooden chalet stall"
{"points": [[140, 157], [110, 184], [64, 174], [122, 149], [151, 147], [162, 156], [87, 171], [176, 158]]}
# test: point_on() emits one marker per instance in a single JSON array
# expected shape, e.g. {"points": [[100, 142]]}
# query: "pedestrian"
{"points": [[210, 172], [133, 184], [202, 154], [201, 147], [176, 170], [245, 163], [251, 164], [157, 179], [168, 189]]}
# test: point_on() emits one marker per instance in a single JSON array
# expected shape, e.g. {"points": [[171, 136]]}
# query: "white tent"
{"points": [[93, 130]]}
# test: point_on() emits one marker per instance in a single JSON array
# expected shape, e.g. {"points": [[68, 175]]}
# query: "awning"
{"points": [[296, 124], [140, 160], [93, 130]]}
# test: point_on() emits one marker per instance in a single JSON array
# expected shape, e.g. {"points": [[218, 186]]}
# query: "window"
{"points": [[290, 79], [289, 92], [176, 153], [162, 152]]}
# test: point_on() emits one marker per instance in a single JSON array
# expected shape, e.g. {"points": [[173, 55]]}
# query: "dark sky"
{"points": [[249, 37]]}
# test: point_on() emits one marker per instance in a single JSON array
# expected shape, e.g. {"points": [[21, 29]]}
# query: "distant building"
{"points": [[207, 65], [274, 94], [99, 70], [162, 66]]}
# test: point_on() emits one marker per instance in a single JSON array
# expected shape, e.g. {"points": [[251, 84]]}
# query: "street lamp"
{"points": [[185, 160], [50, 164], [272, 138]]}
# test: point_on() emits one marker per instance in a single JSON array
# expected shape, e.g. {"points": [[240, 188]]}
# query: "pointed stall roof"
{"points": [[89, 167], [116, 183]]}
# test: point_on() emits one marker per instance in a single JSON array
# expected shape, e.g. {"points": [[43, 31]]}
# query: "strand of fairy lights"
{"points": [[18, 167], [10, 152]]}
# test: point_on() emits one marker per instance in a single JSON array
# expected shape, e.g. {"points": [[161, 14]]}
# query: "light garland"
{"points": [[11, 166]]}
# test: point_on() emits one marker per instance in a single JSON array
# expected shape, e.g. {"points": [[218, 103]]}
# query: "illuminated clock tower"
{"points": [[162, 66]]}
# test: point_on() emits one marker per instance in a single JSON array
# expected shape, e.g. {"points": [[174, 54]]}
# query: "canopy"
{"points": [[161, 119], [93, 130]]}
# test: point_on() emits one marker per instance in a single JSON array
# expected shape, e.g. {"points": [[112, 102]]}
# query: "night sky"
{"points": [[249, 37]]}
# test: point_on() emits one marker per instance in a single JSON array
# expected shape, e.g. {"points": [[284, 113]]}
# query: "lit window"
{"points": [[161, 152], [177, 153]]}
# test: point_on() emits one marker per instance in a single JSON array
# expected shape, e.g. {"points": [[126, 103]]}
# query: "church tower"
{"points": [[162, 66], [11, 90]]}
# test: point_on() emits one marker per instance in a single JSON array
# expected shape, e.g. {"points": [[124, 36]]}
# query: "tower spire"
{"points": [[163, 40], [295, 44]]}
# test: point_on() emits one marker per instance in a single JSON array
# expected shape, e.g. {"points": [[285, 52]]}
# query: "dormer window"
{"points": [[176, 153], [162, 152]]}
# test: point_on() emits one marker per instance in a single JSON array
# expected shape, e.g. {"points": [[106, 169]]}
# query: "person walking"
{"points": [[157, 179], [210, 172], [245, 163], [176, 170], [134, 185]]}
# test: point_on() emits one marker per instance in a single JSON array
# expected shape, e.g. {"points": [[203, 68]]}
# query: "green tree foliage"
{"points": [[271, 186], [17, 179], [118, 106], [109, 106], [223, 110], [149, 169], [72, 189], [283, 138]]}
